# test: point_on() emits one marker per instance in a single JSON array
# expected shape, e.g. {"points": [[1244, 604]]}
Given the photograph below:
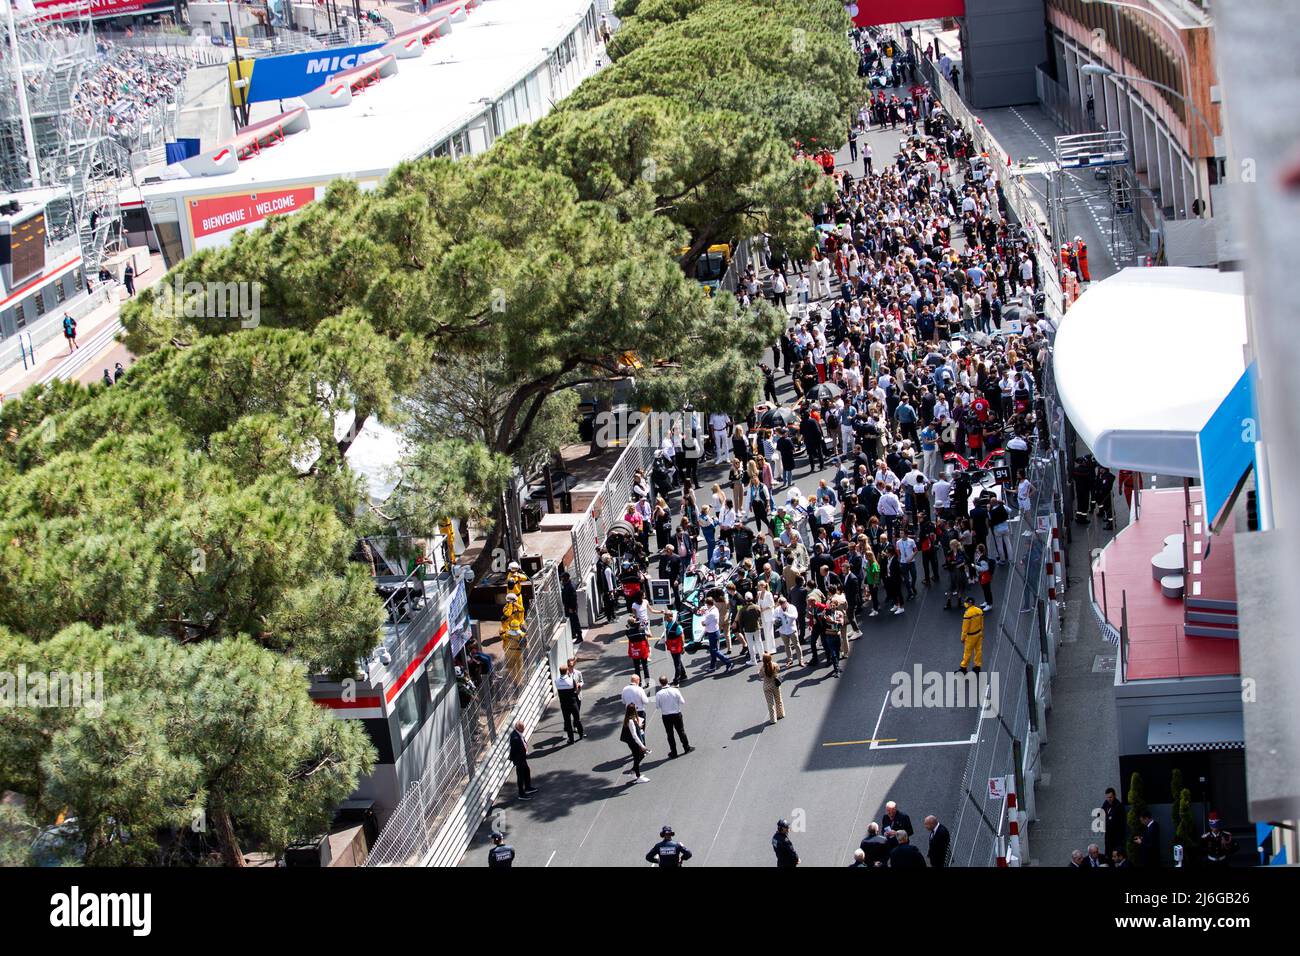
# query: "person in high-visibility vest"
{"points": [[1071, 283], [449, 539], [1081, 257], [1067, 257], [972, 636], [515, 579], [513, 632]]}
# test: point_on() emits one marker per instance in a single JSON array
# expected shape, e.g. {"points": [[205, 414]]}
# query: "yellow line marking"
{"points": [[849, 743]]}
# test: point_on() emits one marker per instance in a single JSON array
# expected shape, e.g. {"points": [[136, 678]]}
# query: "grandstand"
{"points": [[96, 112]]}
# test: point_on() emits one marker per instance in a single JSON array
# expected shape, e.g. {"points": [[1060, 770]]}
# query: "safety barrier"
{"points": [[1019, 199], [437, 817], [1021, 636], [607, 506]]}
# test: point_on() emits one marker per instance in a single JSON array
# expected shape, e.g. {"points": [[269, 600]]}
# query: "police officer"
{"points": [[781, 845], [1217, 843], [667, 852], [502, 853]]}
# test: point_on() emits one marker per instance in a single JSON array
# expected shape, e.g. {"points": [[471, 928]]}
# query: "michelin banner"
{"points": [[280, 77]]}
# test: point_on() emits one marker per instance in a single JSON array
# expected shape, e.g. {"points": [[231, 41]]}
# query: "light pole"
{"points": [[1163, 18], [241, 112], [1096, 69]]}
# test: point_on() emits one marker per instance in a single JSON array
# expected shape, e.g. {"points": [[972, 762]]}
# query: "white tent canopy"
{"points": [[1143, 359]]}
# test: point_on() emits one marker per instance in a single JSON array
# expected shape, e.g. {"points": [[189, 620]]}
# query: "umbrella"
{"points": [[777, 418], [826, 390], [1017, 313]]}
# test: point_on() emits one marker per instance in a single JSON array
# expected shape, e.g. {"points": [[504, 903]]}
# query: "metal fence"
{"points": [[1136, 210], [1022, 632], [1018, 197], [1020, 638], [607, 507], [436, 818]]}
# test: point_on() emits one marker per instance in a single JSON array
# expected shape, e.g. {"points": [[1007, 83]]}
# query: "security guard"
{"points": [[781, 845], [667, 852], [1217, 843], [566, 685], [972, 636], [502, 853]]}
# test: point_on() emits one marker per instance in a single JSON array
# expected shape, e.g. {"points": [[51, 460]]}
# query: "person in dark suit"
{"points": [[1119, 860], [785, 445], [1116, 822], [519, 757], [569, 597], [939, 840], [1148, 842], [895, 821], [1077, 861], [1094, 860], [905, 856], [875, 848]]}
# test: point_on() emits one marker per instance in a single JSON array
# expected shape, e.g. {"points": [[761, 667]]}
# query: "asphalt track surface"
{"points": [[841, 752]]}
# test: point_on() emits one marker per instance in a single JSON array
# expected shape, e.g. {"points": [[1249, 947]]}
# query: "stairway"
{"points": [[1210, 604]]}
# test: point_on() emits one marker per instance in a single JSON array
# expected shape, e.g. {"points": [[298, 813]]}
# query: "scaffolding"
{"points": [[1106, 155], [74, 149]]}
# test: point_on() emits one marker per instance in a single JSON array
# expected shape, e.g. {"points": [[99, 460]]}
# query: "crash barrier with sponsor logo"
{"points": [[1021, 634], [607, 506], [437, 818]]}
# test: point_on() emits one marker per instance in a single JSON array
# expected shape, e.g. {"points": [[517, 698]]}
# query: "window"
{"points": [[60, 296], [39, 301], [438, 670], [20, 316], [412, 709]]}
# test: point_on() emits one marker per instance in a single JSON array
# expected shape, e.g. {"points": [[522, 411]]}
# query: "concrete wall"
{"points": [[1138, 701], [1002, 41]]}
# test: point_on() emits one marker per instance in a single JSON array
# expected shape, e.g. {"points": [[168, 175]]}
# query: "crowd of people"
{"points": [[125, 90], [915, 353]]}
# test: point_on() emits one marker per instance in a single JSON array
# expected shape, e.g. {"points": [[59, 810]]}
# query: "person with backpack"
{"points": [[675, 643], [929, 545], [983, 570], [956, 565], [70, 332]]}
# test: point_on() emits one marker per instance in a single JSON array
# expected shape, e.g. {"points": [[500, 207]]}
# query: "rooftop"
{"points": [[405, 115]]}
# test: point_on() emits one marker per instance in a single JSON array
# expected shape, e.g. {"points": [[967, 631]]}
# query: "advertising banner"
{"points": [[293, 74], [870, 13], [99, 9], [211, 217]]}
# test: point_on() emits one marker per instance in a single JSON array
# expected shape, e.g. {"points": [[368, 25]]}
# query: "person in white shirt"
{"points": [[941, 490], [670, 702], [907, 559], [890, 509], [767, 608], [1025, 502], [634, 695], [710, 622], [720, 424], [787, 625], [566, 687]]}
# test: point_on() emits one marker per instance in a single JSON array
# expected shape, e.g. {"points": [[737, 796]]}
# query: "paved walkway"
{"points": [[97, 350]]}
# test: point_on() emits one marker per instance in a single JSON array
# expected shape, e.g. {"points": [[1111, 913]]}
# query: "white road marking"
{"points": [[875, 734], [929, 743], [1086, 196], [550, 858], [735, 790]]}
